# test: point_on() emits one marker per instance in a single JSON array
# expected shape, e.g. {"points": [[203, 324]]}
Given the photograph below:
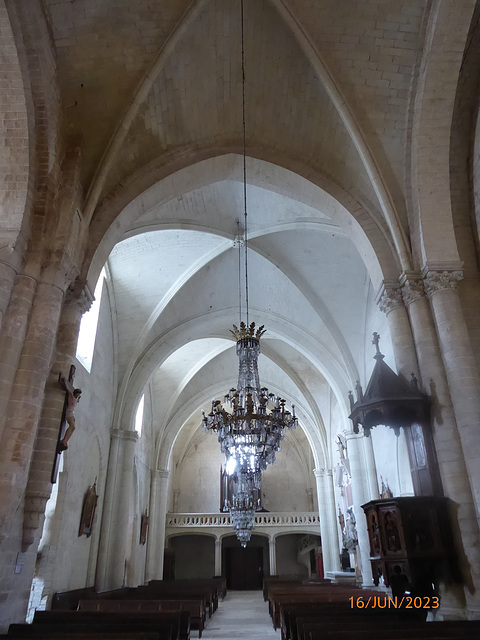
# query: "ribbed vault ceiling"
{"points": [[152, 91]]}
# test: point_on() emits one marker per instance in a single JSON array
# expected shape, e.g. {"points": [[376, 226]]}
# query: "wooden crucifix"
{"points": [[72, 396]]}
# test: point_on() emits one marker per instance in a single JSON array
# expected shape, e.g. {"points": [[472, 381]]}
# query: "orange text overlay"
{"points": [[387, 602]]}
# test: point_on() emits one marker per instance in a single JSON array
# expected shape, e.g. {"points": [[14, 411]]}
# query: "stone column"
{"points": [[10, 263], [361, 495], [158, 513], [460, 367], [39, 481], [7, 278], [218, 557], [16, 447], [26, 397], [118, 491], [328, 520], [12, 337], [445, 432], [391, 303], [370, 469], [272, 555]]}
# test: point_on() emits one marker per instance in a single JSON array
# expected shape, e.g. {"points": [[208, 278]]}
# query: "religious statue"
{"points": [[144, 527], [341, 521], [385, 491], [72, 401], [392, 535], [341, 447], [88, 511], [351, 537]]}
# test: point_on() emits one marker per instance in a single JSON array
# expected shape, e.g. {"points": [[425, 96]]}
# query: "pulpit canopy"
{"points": [[389, 399]]}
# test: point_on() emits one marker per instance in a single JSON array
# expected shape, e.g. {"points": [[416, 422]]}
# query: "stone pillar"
{"points": [[460, 367], [218, 557], [158, 513], [16, 447], [445, 432], [10, 262], [370, 469], [118, 491], [328, 520], [12, 337], [26, 397], [7, 278], [361, 495], [272, 555], [391, 303], [39, 481]]}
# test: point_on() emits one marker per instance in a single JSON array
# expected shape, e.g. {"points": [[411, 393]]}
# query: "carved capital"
{"points": [[79, 296], [390, 299], [412, 290], [441, 280]]}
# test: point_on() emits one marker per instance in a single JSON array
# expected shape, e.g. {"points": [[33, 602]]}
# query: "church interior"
{"points": [[169, 164]]}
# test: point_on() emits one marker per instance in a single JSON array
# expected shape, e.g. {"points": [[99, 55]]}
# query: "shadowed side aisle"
{"points": [[242, 615]]}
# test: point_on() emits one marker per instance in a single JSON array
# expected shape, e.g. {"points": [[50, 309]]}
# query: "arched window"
{"points": [[88, 327], [139, 415]]}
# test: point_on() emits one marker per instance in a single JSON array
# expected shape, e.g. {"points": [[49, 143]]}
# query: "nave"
{"points": [[242, 614]]}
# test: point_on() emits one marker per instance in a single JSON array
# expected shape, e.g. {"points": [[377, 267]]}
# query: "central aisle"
{"points": [[242, 615]]}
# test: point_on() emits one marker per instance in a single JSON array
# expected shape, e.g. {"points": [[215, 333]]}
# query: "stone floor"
{"points": [[242, 615]]}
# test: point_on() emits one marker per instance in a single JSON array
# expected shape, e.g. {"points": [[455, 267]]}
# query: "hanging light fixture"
{"points": [[251, 431]]}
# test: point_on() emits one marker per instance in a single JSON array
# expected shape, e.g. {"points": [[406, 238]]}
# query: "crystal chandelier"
{"points": [[251, 430]]}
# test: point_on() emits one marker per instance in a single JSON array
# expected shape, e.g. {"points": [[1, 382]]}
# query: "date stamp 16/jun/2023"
{"points": [[395, 602]]}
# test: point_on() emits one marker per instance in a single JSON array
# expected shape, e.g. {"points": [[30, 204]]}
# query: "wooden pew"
{"points": [[167, 625], [306, 594], [108, 630], [169, 610], [363, 630], [86, 635], [194, 605], [193, 596], [204, 588], [68, 600]]}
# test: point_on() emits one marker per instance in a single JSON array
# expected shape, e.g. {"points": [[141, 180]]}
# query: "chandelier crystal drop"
{"points": [[242, 510]]}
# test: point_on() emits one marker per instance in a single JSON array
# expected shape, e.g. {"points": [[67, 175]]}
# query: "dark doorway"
{"points": [[244, 568]]}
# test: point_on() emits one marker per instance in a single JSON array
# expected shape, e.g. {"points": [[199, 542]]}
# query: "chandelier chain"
{"points": [[251, 426], [245, 236], [239, 272]]}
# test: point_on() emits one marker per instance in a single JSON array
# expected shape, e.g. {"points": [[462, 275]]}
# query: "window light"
{"points": [[139, 415], [88, 327]]}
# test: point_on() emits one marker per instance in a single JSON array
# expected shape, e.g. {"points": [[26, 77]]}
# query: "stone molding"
{"points": [[436, 281], [124, 434], [161, 474]]}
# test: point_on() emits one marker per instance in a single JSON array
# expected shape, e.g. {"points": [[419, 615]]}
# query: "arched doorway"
{"points": [[194, 556], [244, 568]]}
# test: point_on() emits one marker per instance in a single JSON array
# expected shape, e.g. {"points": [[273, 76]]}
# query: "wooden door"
{"points": [[244, 568]]}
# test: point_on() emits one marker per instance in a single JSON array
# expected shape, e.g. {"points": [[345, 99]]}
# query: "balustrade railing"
{"points": [[263, 519]]}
